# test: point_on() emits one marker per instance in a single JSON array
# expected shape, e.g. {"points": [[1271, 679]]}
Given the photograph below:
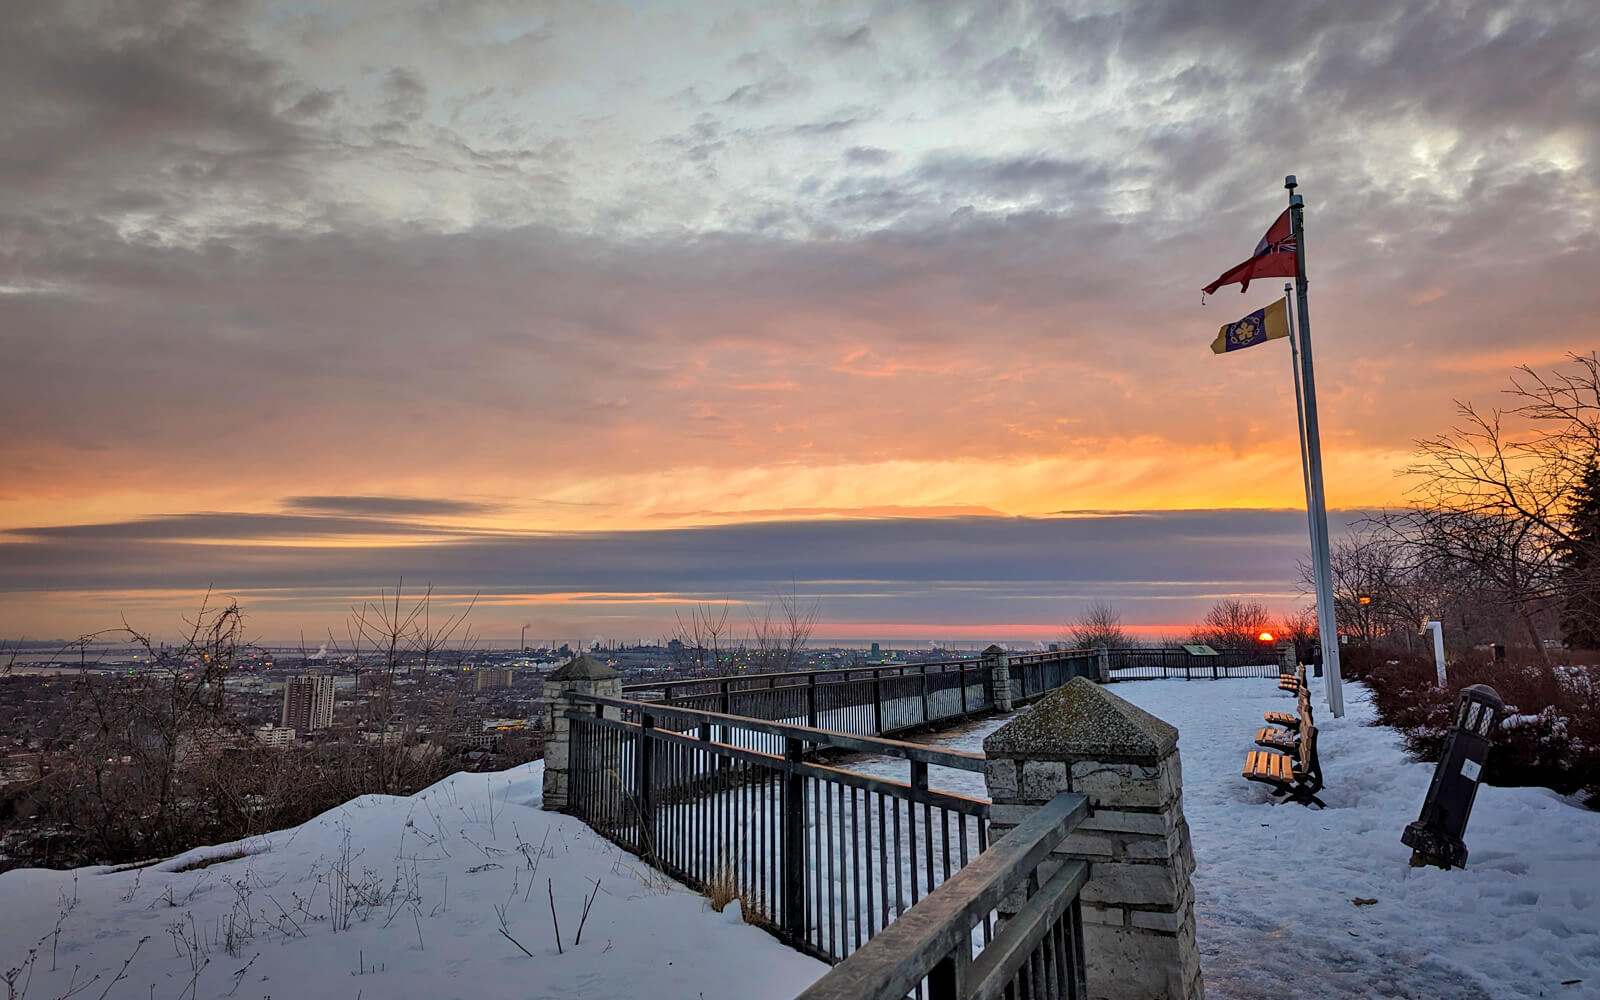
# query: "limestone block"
{"points": [[1117, 821], [1139, 847], [1086, 845], [1121, 785], [1111, 916], [1000, 774], [1133, 885], [1157, 920], [1125, 963], [556, 756], [1043, 780]]}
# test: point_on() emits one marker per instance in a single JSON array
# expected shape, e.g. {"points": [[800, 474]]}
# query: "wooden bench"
{"points": [[1283, 729], [1297, 775], [1288, 760], [1295, 682]]}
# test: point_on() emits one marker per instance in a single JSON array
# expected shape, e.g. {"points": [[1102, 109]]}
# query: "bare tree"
{"points": [[700, 645], [783, 630], [1495, 496], [401, 632], [1233, 624], [1099, 625], [1301, 628]]}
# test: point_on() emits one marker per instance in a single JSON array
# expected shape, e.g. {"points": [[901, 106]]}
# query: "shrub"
{"points": [[1552, 735]]}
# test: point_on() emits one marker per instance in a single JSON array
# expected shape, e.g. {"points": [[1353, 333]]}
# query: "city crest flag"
{"points": [[1267, 323]]}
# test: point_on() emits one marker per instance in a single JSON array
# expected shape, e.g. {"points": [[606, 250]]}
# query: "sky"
{"points": [[600, 310]]}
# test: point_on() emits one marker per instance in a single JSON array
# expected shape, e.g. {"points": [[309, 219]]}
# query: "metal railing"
{"points": [[1162, 663], [822, 857], [1036, 954], [877, 700]]}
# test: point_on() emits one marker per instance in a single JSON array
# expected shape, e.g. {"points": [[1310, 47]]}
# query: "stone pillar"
{"points": [[1287, 660], [999, 667], [584, 675], [1138, 905], [1102, 663]]}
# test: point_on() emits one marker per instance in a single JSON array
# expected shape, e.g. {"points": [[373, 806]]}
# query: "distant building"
{"points": [[308, 702], [274, 736], [492, 677]]}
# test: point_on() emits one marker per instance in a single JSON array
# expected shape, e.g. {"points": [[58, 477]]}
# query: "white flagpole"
{"points": [[1300, 415], [1317, 507], [1319, 555]]}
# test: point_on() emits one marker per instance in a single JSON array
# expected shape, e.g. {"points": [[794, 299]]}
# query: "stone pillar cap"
{"points": [[584, 668], [994, 650], [1083, 721]]}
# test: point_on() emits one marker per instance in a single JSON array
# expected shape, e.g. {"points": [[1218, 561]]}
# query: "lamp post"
{"points": [[1435, 838]]}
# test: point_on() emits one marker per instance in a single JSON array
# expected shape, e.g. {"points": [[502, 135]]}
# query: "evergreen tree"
{"points": [[1580, 564]]}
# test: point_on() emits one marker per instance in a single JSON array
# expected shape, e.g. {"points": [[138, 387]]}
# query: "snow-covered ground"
{"points": [[419, 885], [1275, 883]]}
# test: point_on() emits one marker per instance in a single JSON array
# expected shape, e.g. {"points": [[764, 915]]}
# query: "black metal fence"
{"points": [[878, 700], [823, 857], [1038, 954], [1162, 662]]}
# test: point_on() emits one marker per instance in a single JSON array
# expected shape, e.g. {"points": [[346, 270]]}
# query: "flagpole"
{"points": [[1300, 426], [1299, 412], [1317, 506]]}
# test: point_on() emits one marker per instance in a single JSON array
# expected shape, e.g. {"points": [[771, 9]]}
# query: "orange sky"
{"points": [[293, 304]]}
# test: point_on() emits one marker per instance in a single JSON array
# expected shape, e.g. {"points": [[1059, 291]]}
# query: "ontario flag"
{"points": [[1274, 258]]}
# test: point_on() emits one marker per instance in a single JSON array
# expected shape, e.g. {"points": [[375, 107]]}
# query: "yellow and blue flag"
{"points": [[1267, 323]]}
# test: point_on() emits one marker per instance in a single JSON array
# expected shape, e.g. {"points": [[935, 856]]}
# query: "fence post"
{"points": [[877, 701], [584, 675], [999, 669], [644, 784], [794, 841], [1287, 660], [723, 704], [811, 701], [1138, 905], [1102, 664], [924, 673]]}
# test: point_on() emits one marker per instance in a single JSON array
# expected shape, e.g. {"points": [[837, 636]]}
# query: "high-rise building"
{"points": [[485, 678], [308, 702]]}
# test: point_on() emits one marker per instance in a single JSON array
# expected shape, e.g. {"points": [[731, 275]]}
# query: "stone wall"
{"points": [[1138, 905]]}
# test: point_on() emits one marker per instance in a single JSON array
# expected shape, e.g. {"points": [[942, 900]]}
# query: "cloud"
{"points": [[388, 506], [225, 267], [1160, 566], [404, 93], [149, 105]]}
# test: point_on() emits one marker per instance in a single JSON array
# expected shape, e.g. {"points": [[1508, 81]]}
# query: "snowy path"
{"points": [[1520, 920]]}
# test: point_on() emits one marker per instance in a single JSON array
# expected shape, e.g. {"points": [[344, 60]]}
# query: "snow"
{"points": [[425, 877], [1275, 883]]}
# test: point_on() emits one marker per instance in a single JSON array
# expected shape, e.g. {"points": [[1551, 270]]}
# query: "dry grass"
{"points": [[214, 859], [723, 886]]}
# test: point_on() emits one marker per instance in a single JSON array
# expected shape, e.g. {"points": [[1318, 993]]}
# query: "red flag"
{"points": [[1274, 258]]}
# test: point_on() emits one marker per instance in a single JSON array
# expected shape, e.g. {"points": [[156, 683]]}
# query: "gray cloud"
{"points": [[1172, 564], [871, 156], [155, 99], [227, 526], [404, 93], [388, 506]]}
